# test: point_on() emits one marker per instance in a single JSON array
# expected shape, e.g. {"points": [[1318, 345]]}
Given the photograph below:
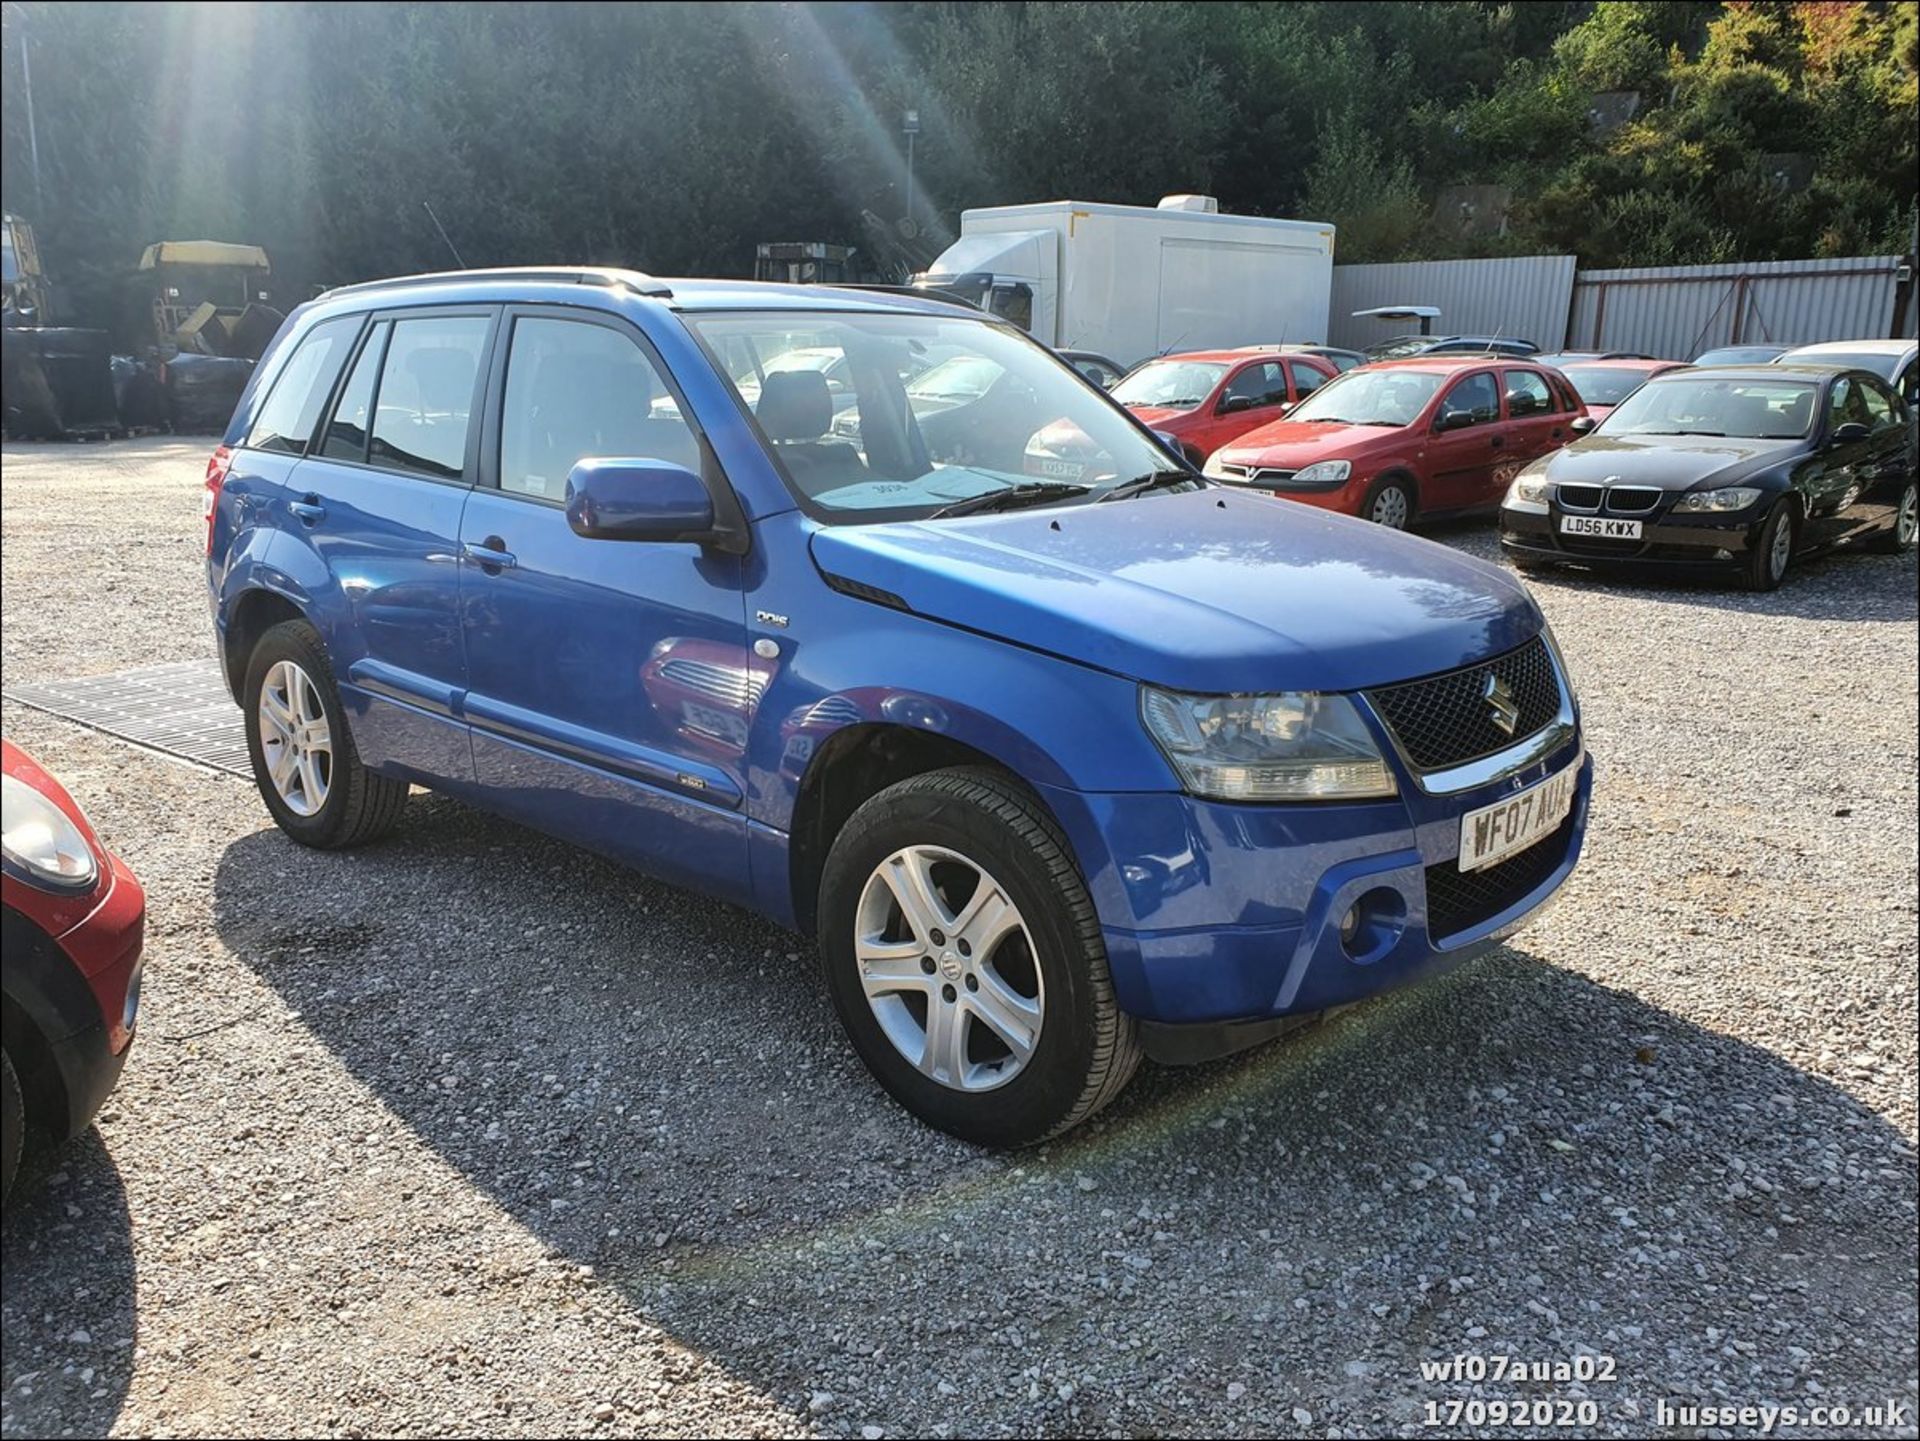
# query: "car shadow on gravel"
{"points": [[654, 1086], [67, 1324], [1837, 586]]}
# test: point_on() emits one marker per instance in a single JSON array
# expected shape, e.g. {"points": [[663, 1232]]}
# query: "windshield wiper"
{"points": [[1033, 492], [1141, 484]]}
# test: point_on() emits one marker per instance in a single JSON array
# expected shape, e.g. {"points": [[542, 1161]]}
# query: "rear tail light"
{"points": [[217, 465]]}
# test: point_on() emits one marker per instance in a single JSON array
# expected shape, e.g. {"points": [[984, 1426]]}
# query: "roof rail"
{"points": [[561, 274]]}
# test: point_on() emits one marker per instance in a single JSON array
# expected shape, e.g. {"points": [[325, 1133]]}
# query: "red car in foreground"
{"points": [[75, 920], [1402, 439], [1205, 398]]}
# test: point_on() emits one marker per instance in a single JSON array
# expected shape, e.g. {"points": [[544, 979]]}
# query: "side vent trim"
{"points": [[860, 590]]}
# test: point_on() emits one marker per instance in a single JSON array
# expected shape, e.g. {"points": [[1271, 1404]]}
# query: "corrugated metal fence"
{"points": [[1681, 310], [1672, 311], [1525, 297]]}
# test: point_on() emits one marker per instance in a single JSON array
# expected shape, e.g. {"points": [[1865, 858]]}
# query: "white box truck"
{"points": [[1132, 281]]}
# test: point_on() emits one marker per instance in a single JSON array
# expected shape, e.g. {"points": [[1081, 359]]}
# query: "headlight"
{"points": [[1323, 472], [1295, 746], [1733, 497], [1214, 468], [41, 841], [1528, 492]]}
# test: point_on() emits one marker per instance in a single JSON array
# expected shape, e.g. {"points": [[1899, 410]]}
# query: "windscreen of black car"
{"points": [[1604, 384], [1175, 384], [1706, 405], [994, 412], [1371, 397]]}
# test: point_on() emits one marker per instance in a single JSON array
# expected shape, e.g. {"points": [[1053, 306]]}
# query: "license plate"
{"points": [[1492, 833], [1600, 526], [1062, 469]]}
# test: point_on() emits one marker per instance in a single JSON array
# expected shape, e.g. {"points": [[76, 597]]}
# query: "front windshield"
{"points": [[1702, 405], [1604, 384], [995, 412], [1169, 383], [1371, 397]]}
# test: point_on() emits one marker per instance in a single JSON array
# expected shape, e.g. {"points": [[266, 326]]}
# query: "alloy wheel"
{"points": [[1782, 550], [295, 741], [948, 966], [1908, 522]]}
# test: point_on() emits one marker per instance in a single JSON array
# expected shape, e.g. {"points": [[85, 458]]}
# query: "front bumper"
{"points": [[1215, 912], [1665, 539]]}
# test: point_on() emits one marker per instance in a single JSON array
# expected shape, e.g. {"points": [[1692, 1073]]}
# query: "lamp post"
{"points": [[910, 127]]}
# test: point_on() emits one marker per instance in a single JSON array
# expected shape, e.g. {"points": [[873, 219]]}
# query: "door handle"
{"points": [[490, 554], [310, 511]]}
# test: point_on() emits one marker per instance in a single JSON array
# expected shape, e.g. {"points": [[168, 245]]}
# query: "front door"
{"points": [[1251, 398], [1460, 460], [379, 497], [610, 690]]}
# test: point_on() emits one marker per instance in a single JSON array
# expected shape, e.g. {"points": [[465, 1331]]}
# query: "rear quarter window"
{"points": [[292, 408]]}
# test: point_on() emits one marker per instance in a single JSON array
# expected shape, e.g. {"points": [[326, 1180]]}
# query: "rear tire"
{"points": [[1390, 503], [962, 830], [1906, 525], [1766, 562], [313, 781], [13, 1126]]}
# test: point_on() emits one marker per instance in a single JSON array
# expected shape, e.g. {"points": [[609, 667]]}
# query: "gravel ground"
{"points": [[408, 1148]]}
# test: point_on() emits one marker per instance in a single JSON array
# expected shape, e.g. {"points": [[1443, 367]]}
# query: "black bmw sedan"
{"points": [[1744, 469]]}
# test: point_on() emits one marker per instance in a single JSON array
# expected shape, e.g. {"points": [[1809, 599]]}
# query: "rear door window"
{"points": [[1477, 395], [1262, 384], [1527, 394], [285, 422], [423, 409], [1306, 379]]}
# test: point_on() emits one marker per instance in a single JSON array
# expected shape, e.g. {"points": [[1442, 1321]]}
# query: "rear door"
{"points": [[1887, 469], [378, 499], [1304, 377], [1460, 461], [1537, 420], [611, 691]]}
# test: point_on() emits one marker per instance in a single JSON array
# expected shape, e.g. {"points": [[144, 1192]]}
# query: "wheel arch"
{"points": [[852, 766], [254, 611]]}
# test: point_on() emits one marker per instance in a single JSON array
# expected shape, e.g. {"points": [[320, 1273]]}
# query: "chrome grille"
{"points": [[1445, 720], [1633, 499], [1580, 497], [724, 685]]}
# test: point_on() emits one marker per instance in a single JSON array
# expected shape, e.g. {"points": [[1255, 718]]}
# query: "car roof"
{"points": [[1856, 347], [1216, 357], [1621, 363], [1446, 364], [478, 286], [1760, 372]]}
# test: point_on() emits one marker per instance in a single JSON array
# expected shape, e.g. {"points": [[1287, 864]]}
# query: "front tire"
{"points": [[1390, 503], [965, 960], [1766, 562], [304, 761]]}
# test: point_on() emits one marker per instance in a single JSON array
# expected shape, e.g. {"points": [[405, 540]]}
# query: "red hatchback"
{"points": [[74, 926], [1205, 398], [1402, 439]]}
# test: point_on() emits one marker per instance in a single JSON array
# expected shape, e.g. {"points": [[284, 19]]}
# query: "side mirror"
{"points": [[1235, 403], [1583, 425], [638, 500], [1454, 420], [1852, 433], [1286, 407]]}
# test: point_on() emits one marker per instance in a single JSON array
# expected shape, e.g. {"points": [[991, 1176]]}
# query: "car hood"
{"points": [[1159, 415], [1672, 462], [1294, 443], [1204, 591]]}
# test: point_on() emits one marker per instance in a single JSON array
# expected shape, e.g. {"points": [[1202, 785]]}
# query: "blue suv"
{"points": [[867, 613]]}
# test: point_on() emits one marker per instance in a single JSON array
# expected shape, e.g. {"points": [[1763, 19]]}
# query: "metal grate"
{"points": [[1445, 720], [183, 709], [1458, 900]]}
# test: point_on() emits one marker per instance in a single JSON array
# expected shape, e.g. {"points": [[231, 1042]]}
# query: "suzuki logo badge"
{"points": [[1504, 710]]}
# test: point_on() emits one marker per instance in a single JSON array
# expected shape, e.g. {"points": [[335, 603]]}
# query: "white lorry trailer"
{"points": [[1133, 281]]}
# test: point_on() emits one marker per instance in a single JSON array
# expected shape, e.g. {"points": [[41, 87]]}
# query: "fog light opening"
{"points": [[1373, 925]]}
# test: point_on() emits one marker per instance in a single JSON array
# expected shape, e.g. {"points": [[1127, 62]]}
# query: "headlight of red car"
{"points": [[42, 846]]}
